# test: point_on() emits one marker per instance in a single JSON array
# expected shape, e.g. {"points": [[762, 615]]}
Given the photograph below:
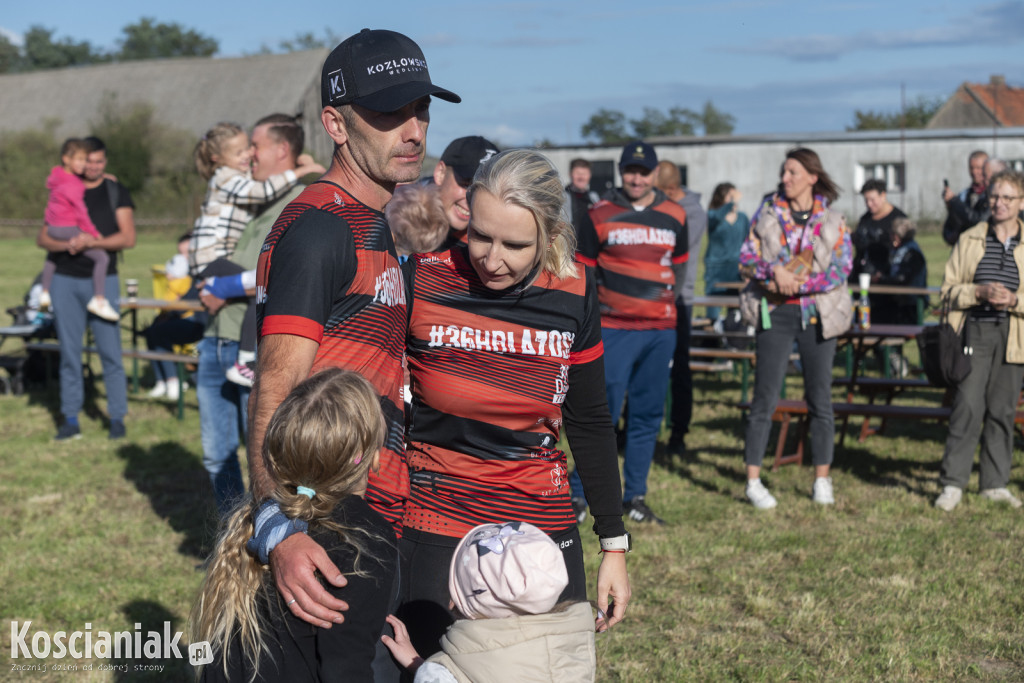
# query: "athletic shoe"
{"points": [[1001, 496], [174, 389], [821, 492], [44, 301], [241, 373], [579, 509], [637, 510], [159, 389], [103, 309], [949, 498], [68, 430], [116, 429], [759, 496]]}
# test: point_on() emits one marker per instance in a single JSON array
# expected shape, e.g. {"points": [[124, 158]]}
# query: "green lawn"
{"points": [[879, 587]]}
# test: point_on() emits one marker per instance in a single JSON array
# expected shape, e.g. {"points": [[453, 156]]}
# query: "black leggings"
{"points": [[426, 559]]}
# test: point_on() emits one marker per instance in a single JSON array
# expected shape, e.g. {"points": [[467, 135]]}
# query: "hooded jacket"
{"points": [[555, 647], [66, 206]]}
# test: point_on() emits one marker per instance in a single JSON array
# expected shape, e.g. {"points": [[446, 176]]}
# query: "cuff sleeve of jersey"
{"points": [[587, 355], [682, 258], [586, 260], [293, 325]]}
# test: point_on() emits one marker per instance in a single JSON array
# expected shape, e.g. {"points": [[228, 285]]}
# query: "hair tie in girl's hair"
{"points": [[305, 491], [358, 459]]}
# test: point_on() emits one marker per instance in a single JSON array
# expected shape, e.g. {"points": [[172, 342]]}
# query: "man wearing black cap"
{"points": [[453, 175], [633, 238], [329, 288]]}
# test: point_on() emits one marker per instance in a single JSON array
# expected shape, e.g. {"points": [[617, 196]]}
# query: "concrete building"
{"points": [[913, 163]]}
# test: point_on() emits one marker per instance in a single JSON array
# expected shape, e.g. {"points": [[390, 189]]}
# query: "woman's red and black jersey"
{"points": [[328, 272], [633, 253], [490, 372]]}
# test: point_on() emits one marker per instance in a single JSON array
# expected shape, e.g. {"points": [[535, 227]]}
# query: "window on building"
{"points": [[1016, 165], [602, 176], [893, 173]]}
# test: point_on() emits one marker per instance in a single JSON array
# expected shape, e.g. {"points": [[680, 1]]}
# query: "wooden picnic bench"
{"points": [[180, 361], [788, 409]]}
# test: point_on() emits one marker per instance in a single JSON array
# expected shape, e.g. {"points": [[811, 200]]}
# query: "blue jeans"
{"points": [[70, 296], [635, 362], [222, 416]]}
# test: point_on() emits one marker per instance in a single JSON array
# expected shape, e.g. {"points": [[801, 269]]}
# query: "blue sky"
{"points": [[531, 70]]}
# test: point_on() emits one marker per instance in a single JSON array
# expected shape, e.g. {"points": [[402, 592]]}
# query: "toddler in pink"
{"points": [[67, 217]]}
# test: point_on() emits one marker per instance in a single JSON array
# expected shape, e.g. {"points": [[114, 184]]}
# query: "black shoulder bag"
{"points": [[945, 357]]}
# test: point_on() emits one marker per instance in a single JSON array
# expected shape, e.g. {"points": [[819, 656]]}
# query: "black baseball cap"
{"points": [[464, 155], [638, 153], [380, 70]]}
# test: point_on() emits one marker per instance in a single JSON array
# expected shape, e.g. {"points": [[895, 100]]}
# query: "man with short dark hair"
{"points": [[964, 209], [872, 240], [277, 141], [581, 198], [453, 175], [330, 290], [633, 239], [111, 210]]}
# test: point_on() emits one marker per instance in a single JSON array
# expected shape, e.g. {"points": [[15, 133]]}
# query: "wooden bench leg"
{"points": [[797, 457], [181, 390]]}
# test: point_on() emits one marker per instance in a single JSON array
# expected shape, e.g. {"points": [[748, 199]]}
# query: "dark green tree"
{"points": [[308, 41], [607, 126], [151, 40], [716, 122], [654, 123], [917, 115], [10, 56], [41, 51]]}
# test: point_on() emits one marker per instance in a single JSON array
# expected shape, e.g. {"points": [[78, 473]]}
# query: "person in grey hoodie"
{"points": [[668, 181]]}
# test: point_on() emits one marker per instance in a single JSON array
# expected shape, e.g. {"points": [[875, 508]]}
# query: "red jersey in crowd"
{"points": [[489, 375], [633, 252], [328, 272]]}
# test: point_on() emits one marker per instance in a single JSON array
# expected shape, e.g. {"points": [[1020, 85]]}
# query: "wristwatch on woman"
{"points": [[617, 544]]}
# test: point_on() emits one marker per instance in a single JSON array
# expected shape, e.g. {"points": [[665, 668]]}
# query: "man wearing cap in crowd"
{"points": [[453, 176], [633, 239], [330, 291]]}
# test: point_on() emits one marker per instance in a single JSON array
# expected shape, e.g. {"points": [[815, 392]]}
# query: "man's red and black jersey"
{"points": [[633, 253], [490, 372], [328, 272]]}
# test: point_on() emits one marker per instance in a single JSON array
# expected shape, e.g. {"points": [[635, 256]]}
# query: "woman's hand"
{"points": [[997, 295], [613, 591], [401, 645], [294, 563], [787, 283]]}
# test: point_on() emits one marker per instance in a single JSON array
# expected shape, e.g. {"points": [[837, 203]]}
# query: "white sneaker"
{"points": [[174, 389], [44, 301], [159, 389], [949, 498], [759, 496], [821, 492], [1001, 496], [103, 309]]}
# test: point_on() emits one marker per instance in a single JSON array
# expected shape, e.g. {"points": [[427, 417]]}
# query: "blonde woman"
{"points": [[504, 346], [320, 445], [984, 283]]}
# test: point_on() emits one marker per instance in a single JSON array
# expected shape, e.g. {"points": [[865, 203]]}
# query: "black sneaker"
{"points": [[67, 431], [637, 510], [116, 429], [579, 509]]}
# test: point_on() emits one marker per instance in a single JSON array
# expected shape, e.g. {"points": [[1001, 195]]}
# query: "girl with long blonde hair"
{"points": [[320, 445]]}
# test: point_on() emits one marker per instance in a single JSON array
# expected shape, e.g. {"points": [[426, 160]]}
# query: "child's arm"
{"points": [[401, 646], [242, 190]]}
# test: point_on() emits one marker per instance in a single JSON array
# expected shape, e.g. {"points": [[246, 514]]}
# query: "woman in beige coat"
{"points": [[984, 283]]}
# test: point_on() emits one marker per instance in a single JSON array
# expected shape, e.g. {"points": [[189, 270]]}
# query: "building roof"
{"points": [[982, 104], [190, 93]]}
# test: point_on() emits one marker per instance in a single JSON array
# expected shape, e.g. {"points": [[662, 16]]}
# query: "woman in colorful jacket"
{"points": [[798, 256], [983, 284]]}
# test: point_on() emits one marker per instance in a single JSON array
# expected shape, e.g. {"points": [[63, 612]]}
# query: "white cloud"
{"points": [[14, 38]]}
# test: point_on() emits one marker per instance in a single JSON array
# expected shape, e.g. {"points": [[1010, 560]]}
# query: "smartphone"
{"points": [[945, 183]]}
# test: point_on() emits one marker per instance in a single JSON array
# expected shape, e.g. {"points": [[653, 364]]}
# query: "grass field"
{"points": [[879, 587]]}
